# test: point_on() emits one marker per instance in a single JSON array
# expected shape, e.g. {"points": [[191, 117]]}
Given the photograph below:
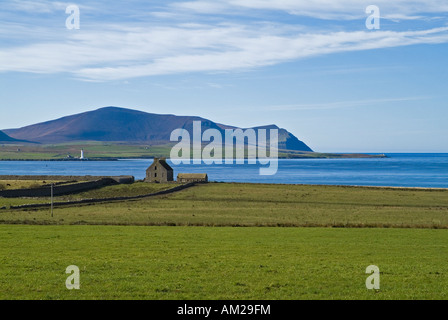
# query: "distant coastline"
{"points": [[65, 160], [398, 170], [288, 156]]}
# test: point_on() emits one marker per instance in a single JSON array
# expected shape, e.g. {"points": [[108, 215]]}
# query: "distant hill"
{"points": [[4, 138], [112, 124]]}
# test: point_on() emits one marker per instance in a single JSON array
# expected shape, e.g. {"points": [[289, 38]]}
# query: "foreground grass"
{"points": [[227, 204], [136, 262], [221, 263]]}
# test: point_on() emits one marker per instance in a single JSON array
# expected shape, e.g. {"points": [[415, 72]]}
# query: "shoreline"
{"points": [[372, 182], [342, 156], [67, 160]]}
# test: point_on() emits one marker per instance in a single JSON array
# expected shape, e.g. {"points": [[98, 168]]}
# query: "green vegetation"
{"points": [[113, 151], [221, 263], [92, 150], [130, 249], [226, 204], [26, 184], [121, 190]]}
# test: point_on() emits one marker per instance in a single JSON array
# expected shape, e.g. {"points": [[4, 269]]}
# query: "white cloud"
{"points": [[322, 9], [36, 6], [102, 52], [203, 6], [138, 52]]}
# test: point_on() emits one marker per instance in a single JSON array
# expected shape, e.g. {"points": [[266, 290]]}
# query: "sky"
{"points": [[331, 72]]}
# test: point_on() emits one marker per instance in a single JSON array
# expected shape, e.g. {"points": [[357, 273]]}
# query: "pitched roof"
{"points": [[162, 162], [165, 164]]}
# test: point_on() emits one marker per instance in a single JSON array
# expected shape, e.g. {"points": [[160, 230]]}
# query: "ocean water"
{"points": [[399, 170]]}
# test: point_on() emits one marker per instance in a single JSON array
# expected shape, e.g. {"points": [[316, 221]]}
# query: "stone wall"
{"points": [[91, 201], [56, 178], [58, 190]]}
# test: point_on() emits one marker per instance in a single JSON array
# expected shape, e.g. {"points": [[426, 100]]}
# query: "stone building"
{"points": [[192, 177], [159, 171]]}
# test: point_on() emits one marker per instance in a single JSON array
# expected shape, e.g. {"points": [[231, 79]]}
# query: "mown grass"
{"points": [[221, 263], [227, 204], [148, 262]]}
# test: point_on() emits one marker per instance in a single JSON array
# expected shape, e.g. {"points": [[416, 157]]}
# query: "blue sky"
{"points": [[311, 66]]}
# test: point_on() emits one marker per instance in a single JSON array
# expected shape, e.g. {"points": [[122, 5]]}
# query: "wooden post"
{"points": [[52, 184]]}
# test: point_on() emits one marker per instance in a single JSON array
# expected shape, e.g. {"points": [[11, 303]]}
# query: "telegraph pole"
{"points": [[52, 184]]}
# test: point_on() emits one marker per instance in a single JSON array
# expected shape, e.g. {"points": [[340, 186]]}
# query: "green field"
{"points": [[92, 150], [221, 263], [226, 204], [115, 150], [292, 242]]}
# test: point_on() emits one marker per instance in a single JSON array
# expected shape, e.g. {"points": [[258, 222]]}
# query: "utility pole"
{"points": [[52, 185]]}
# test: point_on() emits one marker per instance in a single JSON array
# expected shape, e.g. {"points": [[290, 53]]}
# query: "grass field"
{"points": [[135, 189], [115, 150], [92, 150], [24, 184], [225, 204], [221, 263], [131, 249]]}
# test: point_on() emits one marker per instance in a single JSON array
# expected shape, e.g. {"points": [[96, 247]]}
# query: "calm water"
{"points": [[407, 170]]}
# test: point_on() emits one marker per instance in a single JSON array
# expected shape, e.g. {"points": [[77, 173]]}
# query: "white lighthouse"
{"points": [[82, 154]]}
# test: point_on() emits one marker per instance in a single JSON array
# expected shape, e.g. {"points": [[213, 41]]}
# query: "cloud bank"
{"points": [[124, 50]]}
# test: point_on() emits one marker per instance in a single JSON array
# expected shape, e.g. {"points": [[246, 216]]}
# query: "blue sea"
{"points": [[398, 170]]}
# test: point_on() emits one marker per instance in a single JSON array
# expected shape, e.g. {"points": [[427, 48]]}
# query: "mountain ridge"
{"points": [[4, 138], [116, 124]]}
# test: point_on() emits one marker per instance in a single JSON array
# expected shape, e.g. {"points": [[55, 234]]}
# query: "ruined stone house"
{"points": [[159, 171]]}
